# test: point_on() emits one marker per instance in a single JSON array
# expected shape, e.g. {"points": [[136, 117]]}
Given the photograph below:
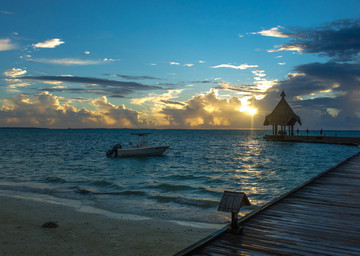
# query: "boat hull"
{"points": [[143, 151]]}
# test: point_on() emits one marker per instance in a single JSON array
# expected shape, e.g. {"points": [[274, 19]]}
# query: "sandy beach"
{"points": [[81, 233]]}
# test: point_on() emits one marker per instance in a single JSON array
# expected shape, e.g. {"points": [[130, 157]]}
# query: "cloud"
{"points": [[246, 89], [293, 47], [318, 77], [274, 32], [171, 102], [188, 65], [92, 80], [13, 79], [6, 45], [7, 12], [46, 110], [339, 40], [257, 90], [209, 111], [174, 63], [242, 66], [110, 60], [319, 88], [65, 61], [111, 88], [86, 53], [51, 43], [127, 77], [154, 98], [14, 72], [281, 63]]}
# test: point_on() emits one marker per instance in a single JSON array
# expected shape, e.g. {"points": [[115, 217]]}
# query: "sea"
{"points": [[70, 167]]}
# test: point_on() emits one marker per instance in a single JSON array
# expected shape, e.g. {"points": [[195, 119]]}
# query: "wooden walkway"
{"points": [[353, 141], [320, 217]]}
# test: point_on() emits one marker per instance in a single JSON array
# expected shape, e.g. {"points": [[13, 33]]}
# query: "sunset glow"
{"points": [[192, 65], [249, 110]]}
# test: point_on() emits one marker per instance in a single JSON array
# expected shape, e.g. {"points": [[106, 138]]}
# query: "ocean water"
{"points": [[185, 185]]}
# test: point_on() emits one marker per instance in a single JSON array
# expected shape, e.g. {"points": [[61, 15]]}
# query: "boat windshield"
{"points": [[142, 139]]}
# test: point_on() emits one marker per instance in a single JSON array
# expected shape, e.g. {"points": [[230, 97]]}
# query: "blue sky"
{"points": [[178, 64]]}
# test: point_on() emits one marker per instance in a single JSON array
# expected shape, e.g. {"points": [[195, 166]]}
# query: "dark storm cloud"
{"points": [[339, 40], [317, 77]]}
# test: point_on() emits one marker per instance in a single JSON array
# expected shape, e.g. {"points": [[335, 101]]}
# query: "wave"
{"points": [[85, 191], [201, 203], [166, 187], [207, 179], [55, 179], [105, 184]]}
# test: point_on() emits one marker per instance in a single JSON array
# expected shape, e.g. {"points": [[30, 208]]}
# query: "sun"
{"points": [[251, 111]]}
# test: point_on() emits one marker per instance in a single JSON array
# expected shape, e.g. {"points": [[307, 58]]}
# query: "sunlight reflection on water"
{"points": [[185, 184]]}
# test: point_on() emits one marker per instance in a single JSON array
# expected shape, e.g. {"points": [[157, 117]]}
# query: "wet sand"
{"points": [[81, 233]]}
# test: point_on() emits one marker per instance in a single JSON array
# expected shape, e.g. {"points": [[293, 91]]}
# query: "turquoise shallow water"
{"points": [[186, 184]]}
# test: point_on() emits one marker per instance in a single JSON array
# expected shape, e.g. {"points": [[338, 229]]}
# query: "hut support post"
{"points": [[234, 220]]}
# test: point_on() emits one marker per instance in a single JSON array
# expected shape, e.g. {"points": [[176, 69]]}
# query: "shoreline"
{"points": [[81, 232]]}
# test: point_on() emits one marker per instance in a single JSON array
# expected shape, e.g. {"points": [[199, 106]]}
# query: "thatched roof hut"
{"points": [[282, 115]]}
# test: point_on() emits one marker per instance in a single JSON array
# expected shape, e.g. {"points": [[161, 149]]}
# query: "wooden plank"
{"points": [[320, 217]]}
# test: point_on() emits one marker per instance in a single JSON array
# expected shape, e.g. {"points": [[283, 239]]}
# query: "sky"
{"points": [[178, 64]]}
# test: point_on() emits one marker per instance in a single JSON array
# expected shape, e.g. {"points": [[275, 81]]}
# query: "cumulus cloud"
{"points": [[210, 111], [65, 61], [6, 45], [14, 72], [188, 65], [174, 63], [51, 43], [339, 40], [46, 110], [242, 66]]}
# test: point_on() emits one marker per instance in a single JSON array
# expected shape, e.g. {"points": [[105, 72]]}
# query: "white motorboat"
{"points": [[142, 148]]}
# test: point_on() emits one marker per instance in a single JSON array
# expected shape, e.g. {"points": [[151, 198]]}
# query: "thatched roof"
{"points": [[282, 114]]}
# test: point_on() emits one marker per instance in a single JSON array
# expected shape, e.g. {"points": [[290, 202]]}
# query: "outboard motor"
{"points": [[113, 151]]}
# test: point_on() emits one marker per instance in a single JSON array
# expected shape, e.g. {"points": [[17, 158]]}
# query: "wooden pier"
{"points": [[354, 141], [320, 217]]}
